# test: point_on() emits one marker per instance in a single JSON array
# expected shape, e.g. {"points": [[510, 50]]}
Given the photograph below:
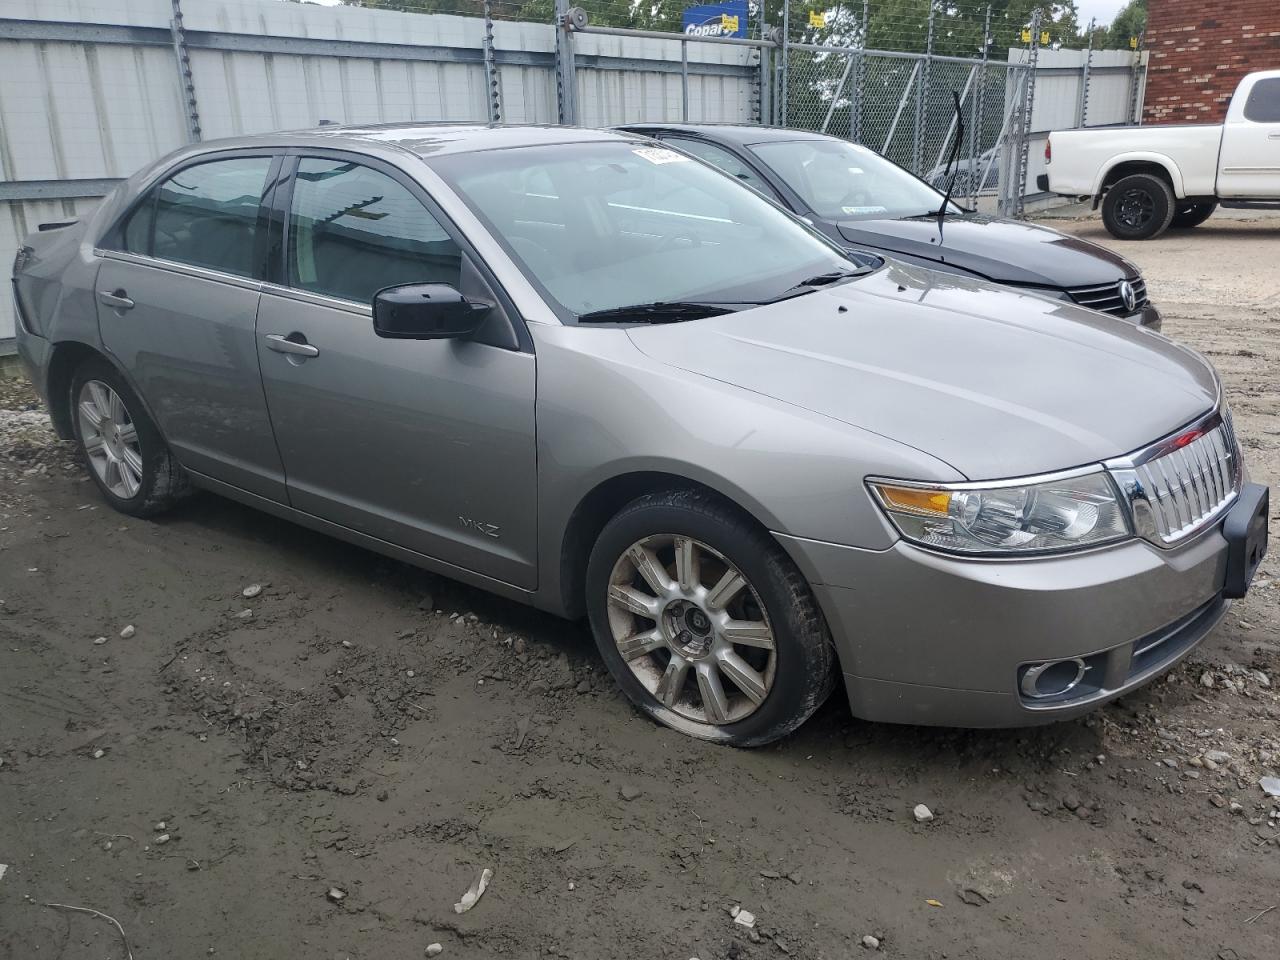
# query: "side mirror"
{"points": [[425, 311]]}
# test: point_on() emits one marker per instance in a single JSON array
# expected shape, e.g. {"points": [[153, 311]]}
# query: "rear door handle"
{"points": [[298, 348], [116, 299]]}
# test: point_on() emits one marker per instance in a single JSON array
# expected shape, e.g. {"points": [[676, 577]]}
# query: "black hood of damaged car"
{"points": [[1006, 251]]}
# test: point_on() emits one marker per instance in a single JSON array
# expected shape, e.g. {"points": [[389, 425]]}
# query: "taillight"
{"points": [[1048, 150]]}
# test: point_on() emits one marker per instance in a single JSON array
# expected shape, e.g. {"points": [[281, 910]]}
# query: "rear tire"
{"points": [[1188, 215], [120, 445], [1138, 207], [742, 663]]}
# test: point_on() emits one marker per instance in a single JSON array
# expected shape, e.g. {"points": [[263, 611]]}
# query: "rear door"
{"points": [[1249, 165], [177, 304], [426, 444]]}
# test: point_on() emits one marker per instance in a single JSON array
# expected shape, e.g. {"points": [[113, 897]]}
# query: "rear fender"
{"points": [[1140, 156]]}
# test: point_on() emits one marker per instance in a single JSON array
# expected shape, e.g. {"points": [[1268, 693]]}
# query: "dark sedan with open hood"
{"points": [[864, 201]]}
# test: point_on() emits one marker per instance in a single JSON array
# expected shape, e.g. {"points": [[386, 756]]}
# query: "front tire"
{"points": [[1188, 215], [705, 623], [1138, 207], [118, 442]]}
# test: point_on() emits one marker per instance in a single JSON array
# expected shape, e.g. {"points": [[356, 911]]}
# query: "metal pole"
{"points": [[185, 76], [831, 109], [1082, 111], [901, 106], [786, 60], [860, 77], [1004, 141], [979, 116], [1024, 117], [684, 80], [1135, 80], [493, 95], [922, 97], [566, 74]]}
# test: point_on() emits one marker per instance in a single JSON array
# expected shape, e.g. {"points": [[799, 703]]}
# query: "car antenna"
{"points": [[952, 165]]}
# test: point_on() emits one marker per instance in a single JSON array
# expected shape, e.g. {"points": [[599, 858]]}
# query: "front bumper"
{"points": [[1147, 317], [930, 639]]}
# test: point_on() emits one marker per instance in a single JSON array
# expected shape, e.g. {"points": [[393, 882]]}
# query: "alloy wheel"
{"points": [[692, 629], [110, 439], [1136, 208]]}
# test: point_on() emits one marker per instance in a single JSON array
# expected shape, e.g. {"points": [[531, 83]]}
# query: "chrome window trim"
{"points": [[175, 266], [318, 299]]}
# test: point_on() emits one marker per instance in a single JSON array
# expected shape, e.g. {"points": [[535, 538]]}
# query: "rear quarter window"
{"points": [[1263, 105]]}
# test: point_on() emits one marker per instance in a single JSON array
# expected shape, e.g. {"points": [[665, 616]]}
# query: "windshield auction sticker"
{"points": [[660, 155]]}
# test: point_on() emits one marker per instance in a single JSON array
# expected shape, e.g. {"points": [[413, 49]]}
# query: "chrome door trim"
{"points": [[186, 269], [318, 300]]}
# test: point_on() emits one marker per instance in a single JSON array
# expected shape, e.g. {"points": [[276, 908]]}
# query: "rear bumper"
{"points": [[929, 639]]}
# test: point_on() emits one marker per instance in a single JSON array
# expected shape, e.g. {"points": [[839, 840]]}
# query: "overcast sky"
{"points": [[1104, 10]]}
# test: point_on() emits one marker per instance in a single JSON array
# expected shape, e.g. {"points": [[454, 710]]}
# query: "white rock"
{"points": [[336, 894], [1217, 756], [128, 632], [1206, 679], [1270, 786], [252, 590], [870, 942], [744, 918], [434, 949], [245, 614], [474, 892], [348, 644], [162, 839], [922, 813], [410, 674], [99, 754], [99, 641]]}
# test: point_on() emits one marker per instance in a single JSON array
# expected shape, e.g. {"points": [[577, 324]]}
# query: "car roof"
{"points": [[427, 140], [738, 134]]}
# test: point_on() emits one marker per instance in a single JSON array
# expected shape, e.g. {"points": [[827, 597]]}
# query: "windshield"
{"points": [[844, 181], [599, 226]]}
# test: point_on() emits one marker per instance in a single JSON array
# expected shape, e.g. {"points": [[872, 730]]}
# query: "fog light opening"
{"points": [[1054, 678]]}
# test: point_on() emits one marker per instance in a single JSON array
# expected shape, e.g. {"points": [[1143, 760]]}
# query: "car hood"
{"points": [[1005, 251], [995, 382]]}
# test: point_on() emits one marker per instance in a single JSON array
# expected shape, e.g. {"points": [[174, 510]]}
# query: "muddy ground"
{"points": [[362, 726]]}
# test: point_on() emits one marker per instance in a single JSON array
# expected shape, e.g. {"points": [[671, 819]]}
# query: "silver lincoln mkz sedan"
{"points": [[587, 372]]}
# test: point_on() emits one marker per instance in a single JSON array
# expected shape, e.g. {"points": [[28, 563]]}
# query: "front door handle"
{"points": [[297, 347], [116, 299]]}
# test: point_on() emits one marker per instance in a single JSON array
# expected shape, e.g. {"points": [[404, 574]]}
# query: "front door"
{"points": [[177, 303], [427, 444], [1249, 165]]}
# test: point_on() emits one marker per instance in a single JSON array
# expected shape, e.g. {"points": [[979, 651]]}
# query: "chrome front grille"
{"points": [[1108, 297], [1183, 483]]}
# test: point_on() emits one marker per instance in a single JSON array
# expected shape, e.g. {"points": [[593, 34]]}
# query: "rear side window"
{"points": [[1263, 105], [354, 231], [205, 216]]}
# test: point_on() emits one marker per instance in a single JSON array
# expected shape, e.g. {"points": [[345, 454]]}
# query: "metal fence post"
{"points": [[859, 76], [786, 61], [493, 94], [765, 77], [1135, 80], [1082, 112], [979, 115], [922, 97], [185, 77], [566, 74], [1022, 131], [684, 80]]}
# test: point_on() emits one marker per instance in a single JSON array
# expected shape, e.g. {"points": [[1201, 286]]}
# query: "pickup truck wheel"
{"points": [[1138, 207], [705, 623], [1188, 215]]}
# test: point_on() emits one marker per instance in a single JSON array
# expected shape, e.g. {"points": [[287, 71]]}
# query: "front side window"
{"points": [[1263, 105], [354, 231], [205, 216], [726, 161], [845, 181], [611, 224]]}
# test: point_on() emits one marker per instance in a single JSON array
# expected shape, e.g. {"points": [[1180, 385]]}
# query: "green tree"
{"points": [[1129, 22]]}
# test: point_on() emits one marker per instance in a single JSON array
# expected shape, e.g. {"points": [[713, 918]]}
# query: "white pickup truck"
{"points": [[1151, 178]]}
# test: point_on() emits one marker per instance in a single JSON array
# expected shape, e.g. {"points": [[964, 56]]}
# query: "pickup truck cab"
{"points": [[1151, 178]]}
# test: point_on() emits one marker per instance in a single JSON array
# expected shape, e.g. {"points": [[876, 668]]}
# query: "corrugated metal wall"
{"points": [[90, 88]]}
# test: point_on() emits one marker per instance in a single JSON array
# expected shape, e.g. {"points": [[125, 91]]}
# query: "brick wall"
{"points": [[1199, 51]]}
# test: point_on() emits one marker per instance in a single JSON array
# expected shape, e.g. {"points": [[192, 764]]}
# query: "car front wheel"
{"points": [[704, 621], [126, 456]]}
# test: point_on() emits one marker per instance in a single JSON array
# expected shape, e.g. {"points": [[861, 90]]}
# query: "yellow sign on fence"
{"points": [[1026, 35], [1133, 43], [817, 20], [1044, 38]]}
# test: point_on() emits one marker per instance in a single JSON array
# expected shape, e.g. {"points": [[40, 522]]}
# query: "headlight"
{"points": [[1007, 517]]}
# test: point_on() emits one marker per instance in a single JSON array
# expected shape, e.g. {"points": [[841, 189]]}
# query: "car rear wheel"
{"points": [[1189, 215], [704, 621], [126, 456], [1138, 207]]}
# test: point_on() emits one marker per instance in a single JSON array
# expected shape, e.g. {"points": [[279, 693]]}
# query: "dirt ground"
{"points": [[364, 728]]}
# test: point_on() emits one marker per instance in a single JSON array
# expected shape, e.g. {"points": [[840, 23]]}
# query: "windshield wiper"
{"points": [[659, 312], [953, 166], [823, 280]]}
